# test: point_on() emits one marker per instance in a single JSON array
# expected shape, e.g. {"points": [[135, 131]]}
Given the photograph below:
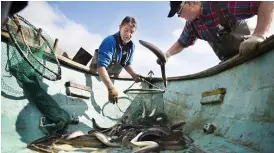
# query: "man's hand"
{"points": [[137, 78], [167, 55], [113, 95], [250, 44]]}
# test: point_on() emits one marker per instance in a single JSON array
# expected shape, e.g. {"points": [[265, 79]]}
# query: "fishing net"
{"points": [[30, 56], [35, 47], [146, 101]]}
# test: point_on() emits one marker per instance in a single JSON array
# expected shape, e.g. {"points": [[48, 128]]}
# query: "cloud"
{"points": [[143, 61], [186, 62], [71, 35], [192, 60], [200, 56]]}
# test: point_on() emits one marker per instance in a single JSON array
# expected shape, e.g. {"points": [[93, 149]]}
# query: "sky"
{"points": [[86, 23]]}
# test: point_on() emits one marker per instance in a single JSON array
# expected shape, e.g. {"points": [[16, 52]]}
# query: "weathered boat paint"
{"points": [[244, 120]]}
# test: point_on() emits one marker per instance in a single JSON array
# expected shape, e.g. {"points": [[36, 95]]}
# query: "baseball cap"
{"points": [[174, 8]]}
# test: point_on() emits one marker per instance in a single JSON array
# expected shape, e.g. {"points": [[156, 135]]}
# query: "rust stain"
{"points": [[214, 92]]}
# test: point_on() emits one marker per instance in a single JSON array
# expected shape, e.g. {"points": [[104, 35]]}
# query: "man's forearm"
{"points": [[130, 70], [265, 16], [105, 77], [174, 49]]}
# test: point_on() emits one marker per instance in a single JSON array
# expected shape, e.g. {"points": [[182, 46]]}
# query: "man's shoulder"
{"points": [[109, 39]]}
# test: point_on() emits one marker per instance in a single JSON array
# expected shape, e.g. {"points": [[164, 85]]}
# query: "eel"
{"points": [[160, 55], [107, 131], [177, 126], [75, 139], [83, 141], [43, 144], [146, 146], [106, 139]]}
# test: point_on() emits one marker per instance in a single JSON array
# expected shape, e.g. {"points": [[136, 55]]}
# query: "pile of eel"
{"points": [[148, 134]]}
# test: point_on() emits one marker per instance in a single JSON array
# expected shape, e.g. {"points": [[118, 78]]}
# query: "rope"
{"points": [[119, 108], [147, 91]]}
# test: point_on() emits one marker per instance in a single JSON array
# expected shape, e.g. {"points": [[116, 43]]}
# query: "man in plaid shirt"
{"points": [[222, 25]]}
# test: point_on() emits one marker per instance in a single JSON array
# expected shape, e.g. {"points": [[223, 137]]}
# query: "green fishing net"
{"points": [[29, 58]]}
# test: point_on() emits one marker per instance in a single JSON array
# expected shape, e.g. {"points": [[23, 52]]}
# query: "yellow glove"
{"points": [[250, 44], [113, 95]]}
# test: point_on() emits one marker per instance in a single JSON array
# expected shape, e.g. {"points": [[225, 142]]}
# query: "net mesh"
{"points": [[35, 47], [145, 102], [29, 57]]}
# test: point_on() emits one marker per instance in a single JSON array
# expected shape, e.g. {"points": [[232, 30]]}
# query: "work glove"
{"points": [[113, 95], [137, 78], [167, 55], [250, 44]]}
